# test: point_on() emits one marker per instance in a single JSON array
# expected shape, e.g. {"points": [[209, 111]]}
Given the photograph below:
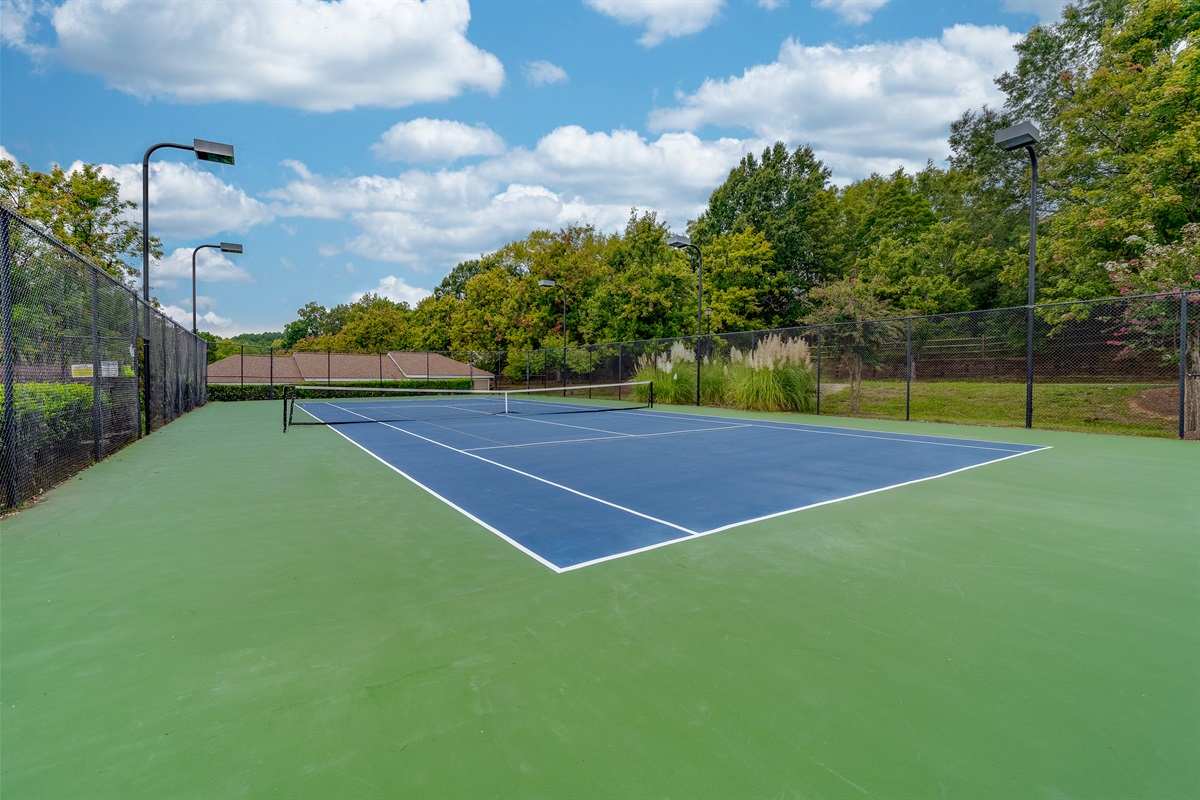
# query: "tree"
{"points": [[82, 209], [652, 290], [788, 198], [854, 326], [1130, 133]]}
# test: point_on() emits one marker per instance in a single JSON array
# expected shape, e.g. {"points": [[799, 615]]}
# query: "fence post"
{"points": [[242, 364], [908, 370], [134, 344], [97, 422], [271, 372], [9, 432], [1029, 364], [527, 369], [147, 374], [819, 330], [1183, 357]]}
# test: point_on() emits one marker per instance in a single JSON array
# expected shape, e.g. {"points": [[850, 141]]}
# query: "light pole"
{"points": [[205, 151], [1024, 135], [224, 247], [552, 284], [679, 243]]}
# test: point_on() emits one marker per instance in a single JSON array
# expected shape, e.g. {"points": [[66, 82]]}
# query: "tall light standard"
{"points": [[205, 151], [679, 243], [1024, 135], [224, 247], [552, 284]]}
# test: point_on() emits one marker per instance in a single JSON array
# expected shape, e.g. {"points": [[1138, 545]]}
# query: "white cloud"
{"points": [[397, 290], [17, 20], [187, 201], [430, 220], [663, 19], [211, 265], [310, 54], [1046, 10], [422, 140], [7, 156], [870, 108], [856, 12], [543, 73], [771, 5], [208, 321]]}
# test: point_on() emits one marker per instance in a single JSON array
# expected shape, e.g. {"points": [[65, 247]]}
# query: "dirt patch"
{"points": [[1162, 402]]}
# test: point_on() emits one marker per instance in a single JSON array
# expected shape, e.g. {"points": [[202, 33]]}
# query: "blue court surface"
{"points": [[577, 489]]}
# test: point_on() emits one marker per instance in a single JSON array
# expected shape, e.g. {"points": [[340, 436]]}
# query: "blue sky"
{"points": [[380, 142]]}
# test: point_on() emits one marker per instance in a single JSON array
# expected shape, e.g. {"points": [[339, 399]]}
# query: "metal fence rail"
{"points": [[87, 366]]}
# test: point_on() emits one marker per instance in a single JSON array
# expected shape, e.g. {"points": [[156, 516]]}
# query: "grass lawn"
{"points": [[1097, 408]]}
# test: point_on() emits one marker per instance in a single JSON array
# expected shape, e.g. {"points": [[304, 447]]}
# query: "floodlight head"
{"points": [[678, 242], [213, 151], [547, 283], [230, 247], [1020, 135]]}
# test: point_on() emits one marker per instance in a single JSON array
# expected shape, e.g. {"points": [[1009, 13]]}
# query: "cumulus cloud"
{"points": [[430, 220], [662, 19], [307, 54], [543, 73], [870, 108], [208, 321], [17, 20], [422, 140], [211, 265], [397, 290], [856, 12], [7, 156], [187, 201]]}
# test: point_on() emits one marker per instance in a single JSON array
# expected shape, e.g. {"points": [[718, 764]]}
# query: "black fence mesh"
{"points": [[1127, 365], [87, 367]]}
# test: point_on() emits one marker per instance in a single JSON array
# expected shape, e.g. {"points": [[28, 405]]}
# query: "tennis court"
{"points": [[223, 610], [572, 488]]}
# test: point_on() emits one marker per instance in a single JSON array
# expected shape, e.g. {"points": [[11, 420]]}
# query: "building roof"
{"points": [[300, 367]]}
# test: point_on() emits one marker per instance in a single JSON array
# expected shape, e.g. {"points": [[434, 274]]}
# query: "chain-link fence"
{"points": [[1126, 365], [87, 366]]}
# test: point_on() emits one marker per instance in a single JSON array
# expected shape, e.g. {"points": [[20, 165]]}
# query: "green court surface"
{"points": [[225, 611]]}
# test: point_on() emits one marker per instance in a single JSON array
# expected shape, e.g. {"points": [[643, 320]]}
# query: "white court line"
{"points": [[452, 504], [616, 436], [802, 427], [688, 534], [531, 476], [740, 523]]}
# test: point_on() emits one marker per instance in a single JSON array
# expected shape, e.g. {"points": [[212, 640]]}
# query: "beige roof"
{"points": [[320, 367], [254, 369], [432, 366]]}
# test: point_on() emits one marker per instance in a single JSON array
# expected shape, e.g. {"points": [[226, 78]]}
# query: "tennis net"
{"points": [[334, 405]]}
